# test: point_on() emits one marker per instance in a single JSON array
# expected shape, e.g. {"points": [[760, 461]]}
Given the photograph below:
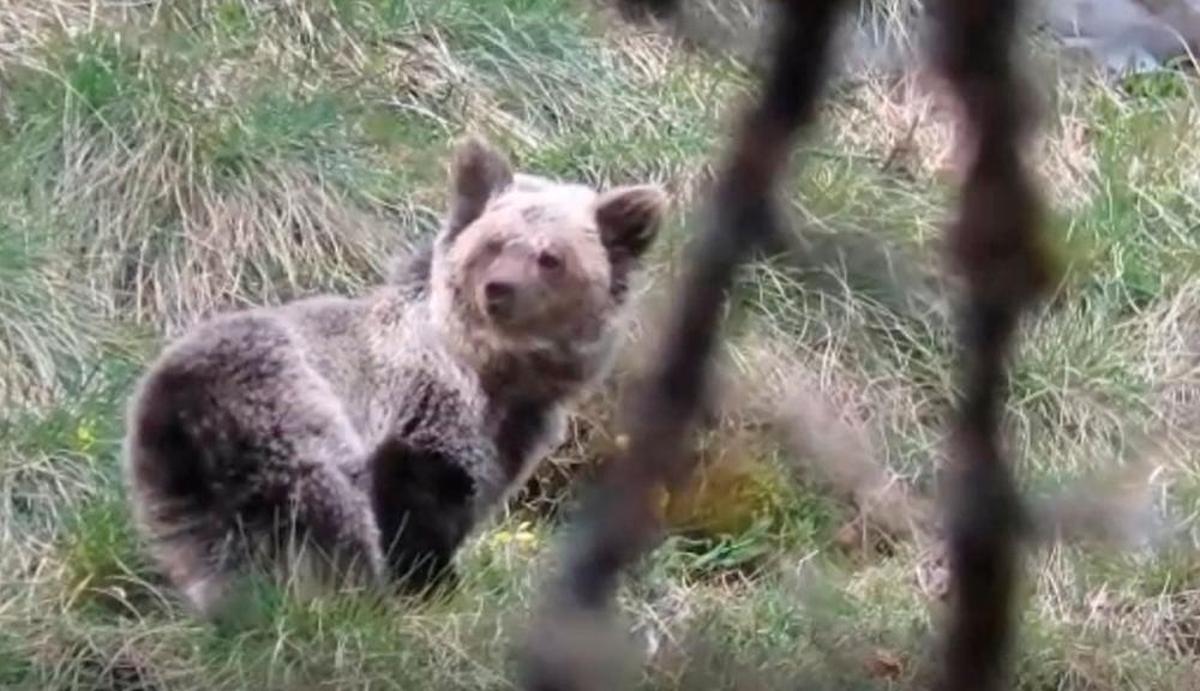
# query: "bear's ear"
{"points": [[476, 175], [629, 217]]}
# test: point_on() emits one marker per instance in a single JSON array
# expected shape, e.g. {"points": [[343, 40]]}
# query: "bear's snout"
{"points": [[499, 298], [507, 291]]}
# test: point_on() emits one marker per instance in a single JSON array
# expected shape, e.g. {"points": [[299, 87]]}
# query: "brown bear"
{"points": [[376, 432]]}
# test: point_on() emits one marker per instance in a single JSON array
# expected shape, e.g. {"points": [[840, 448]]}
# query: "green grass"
{"points": [[165, 161]]}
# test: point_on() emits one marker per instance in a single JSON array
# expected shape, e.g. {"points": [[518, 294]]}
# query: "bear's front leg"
{"points": [[423, 501]]}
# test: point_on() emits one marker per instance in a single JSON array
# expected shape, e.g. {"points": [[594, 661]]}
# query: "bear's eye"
{"points": [[494, 247], [549, 261]]}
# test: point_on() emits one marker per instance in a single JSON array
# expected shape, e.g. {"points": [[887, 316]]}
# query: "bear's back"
{"points": [[376, 351]]}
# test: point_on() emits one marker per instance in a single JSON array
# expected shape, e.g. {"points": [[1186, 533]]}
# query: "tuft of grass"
{"points": [[14, 668], [103, 559], [46, 330]]}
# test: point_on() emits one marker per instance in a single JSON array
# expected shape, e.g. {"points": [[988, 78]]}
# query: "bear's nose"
{"points": [[499, 297]]}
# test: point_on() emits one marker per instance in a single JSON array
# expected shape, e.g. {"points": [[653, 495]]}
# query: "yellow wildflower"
{"points": [[85, 435]]}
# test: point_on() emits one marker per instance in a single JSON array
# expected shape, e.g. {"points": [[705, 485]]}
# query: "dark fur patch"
{"points": [[542, 376], [622, 267], [421, 501], [167, 459], [522, 424]]}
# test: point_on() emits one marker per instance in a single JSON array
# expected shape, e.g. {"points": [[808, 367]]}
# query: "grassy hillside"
{"points": [[162, 160]]}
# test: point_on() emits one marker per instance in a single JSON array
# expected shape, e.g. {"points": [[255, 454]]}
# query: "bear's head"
{"points": [[524, 263]]}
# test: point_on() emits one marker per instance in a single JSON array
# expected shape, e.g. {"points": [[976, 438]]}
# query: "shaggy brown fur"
{"points": [[377, 431]]}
